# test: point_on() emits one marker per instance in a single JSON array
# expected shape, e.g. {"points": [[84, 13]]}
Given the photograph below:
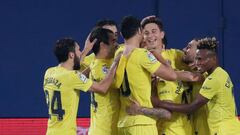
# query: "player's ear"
{"points": [[162, 34], [139, 31], [70, 55], [102, 45]]}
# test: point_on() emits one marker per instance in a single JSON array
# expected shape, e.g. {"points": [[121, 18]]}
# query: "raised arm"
{"points": [[103, 85], [87, 47]]}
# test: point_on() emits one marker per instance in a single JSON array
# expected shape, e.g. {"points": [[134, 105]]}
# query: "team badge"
{"points": [[105, 69], [151, 57]]}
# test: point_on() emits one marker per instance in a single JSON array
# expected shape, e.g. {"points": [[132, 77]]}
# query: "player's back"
{"points": [[137, 85], [173, 91], [62, 98]]}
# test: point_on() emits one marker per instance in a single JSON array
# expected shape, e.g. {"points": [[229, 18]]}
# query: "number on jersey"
{"points": [[55, 103]]}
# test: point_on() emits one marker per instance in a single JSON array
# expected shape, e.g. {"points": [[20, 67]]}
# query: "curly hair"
{"points": [[209, 43]]}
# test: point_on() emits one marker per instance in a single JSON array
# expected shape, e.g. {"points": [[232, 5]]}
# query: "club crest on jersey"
{"points": [[151, 57], [105, 69]]}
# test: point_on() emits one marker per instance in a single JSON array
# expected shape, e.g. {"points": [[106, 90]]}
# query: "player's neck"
{"points": [[67, 65], [133, 42], [212, 69], [101, 55], [214, 66]]}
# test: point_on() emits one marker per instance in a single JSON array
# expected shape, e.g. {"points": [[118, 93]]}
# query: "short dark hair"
{"points": [[104, 22], [209, 43], [130, 26], [153, 20], [63, 47], [102, 35]]}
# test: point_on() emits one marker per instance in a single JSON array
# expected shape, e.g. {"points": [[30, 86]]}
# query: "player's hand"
{"points": [[154, 49], [134, 107], [89, 45], [198, 77]]}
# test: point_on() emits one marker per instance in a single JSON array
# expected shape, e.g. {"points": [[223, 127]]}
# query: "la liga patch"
{"points": [[151, 57], [82, 77]]}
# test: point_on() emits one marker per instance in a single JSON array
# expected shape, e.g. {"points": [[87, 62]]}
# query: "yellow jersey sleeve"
{"points": [[87, 61], [119, 50], [81, 82], [209, 88], [149, 62]]}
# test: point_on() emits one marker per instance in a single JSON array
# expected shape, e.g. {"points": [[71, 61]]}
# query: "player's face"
{"points": [[113, 28], [112, 45], [153, 35], [77, 56], [190, 52], [203, 60]]}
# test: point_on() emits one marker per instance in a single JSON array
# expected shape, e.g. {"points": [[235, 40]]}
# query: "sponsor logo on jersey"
{"points": [[205, 88]]}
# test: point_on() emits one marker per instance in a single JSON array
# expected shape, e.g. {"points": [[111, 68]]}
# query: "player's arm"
{"points": [[182, 108], [189, 76], [167, 73], [136, 109], [103, 85], [87, 47], [159, 57]]}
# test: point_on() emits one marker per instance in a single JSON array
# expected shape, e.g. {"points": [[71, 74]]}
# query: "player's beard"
{"points": [[76, 61], [186, 60]]}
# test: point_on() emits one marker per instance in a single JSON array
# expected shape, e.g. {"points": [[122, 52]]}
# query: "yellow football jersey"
{"points": [[137, 85], [199, 117], [174, 91], [120, 49], [87, 61], [91, 57], [104, 107], [62, 88], [218, 88], [174, 56]]}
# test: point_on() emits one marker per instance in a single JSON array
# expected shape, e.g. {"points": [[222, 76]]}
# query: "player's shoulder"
{"points": [[219, 74], [173, 51], [141, 50], [58, 72], [90, 56], [120, 49], [51, 70]]}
